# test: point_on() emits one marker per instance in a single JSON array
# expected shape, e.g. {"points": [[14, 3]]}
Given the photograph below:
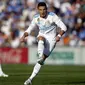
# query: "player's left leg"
{"points": [[47, 47], [41, 59], [2, 74], [36, 70]]}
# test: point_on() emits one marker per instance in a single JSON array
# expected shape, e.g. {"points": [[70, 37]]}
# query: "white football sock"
{"points": [[35, 70], [40, 48], [38, 66]]}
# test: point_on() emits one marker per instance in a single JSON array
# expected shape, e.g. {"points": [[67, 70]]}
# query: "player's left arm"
{"points": [[61, 25], [62, 31]]}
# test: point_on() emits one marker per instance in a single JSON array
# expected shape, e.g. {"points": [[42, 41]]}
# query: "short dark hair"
{"points": [[42, 4]]}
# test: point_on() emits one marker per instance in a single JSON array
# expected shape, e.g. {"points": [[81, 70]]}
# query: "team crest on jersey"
{"points": [[47, 23], [38, 20]]}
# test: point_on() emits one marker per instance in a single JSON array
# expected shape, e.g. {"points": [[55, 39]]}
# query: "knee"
{"points": [[41, 61], [41, 38]]}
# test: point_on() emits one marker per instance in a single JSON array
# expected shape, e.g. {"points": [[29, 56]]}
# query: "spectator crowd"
{"points": [[16, 15]]}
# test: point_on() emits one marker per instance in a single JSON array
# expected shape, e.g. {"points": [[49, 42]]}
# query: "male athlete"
{"points": [[47, 37]]}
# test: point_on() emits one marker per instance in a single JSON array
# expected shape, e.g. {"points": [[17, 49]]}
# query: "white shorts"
{"points": [[50, 42], [49, 46]]}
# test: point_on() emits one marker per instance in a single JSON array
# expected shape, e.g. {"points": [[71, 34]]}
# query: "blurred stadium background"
{"points": [[65, 66]]}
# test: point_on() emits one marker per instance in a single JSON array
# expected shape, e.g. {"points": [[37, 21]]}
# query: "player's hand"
{"points": [[57, 39], [22, 39]]}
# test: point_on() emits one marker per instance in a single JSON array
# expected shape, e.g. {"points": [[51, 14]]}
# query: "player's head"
{"points": [[42, 8]]}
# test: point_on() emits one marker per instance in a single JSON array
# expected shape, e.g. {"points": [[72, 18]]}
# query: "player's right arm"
{"points": [[28, 31]]}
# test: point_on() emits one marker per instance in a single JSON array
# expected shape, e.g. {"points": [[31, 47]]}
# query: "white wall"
{"points": [[61, 55]]}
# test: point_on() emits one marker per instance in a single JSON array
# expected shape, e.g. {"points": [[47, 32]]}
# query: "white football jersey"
{"points": [[47, 25]]}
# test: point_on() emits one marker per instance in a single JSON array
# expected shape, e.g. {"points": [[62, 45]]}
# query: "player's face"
{"points": [[43, 11]]}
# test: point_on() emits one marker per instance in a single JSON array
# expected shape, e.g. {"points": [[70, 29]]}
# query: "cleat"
{"points": [[3, 75], [28, 82]]}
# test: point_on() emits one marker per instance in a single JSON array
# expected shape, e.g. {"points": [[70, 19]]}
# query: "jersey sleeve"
{"points": [[31, 26], [59, 23]]}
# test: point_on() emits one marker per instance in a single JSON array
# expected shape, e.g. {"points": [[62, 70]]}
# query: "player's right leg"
{"points": [[2, 74]]}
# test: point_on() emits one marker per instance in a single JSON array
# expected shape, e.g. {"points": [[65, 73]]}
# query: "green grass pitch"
{"points": [[49, 75]]}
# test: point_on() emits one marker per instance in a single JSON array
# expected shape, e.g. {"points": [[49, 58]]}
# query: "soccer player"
{"points": [[2, 74], [47, 37]]}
